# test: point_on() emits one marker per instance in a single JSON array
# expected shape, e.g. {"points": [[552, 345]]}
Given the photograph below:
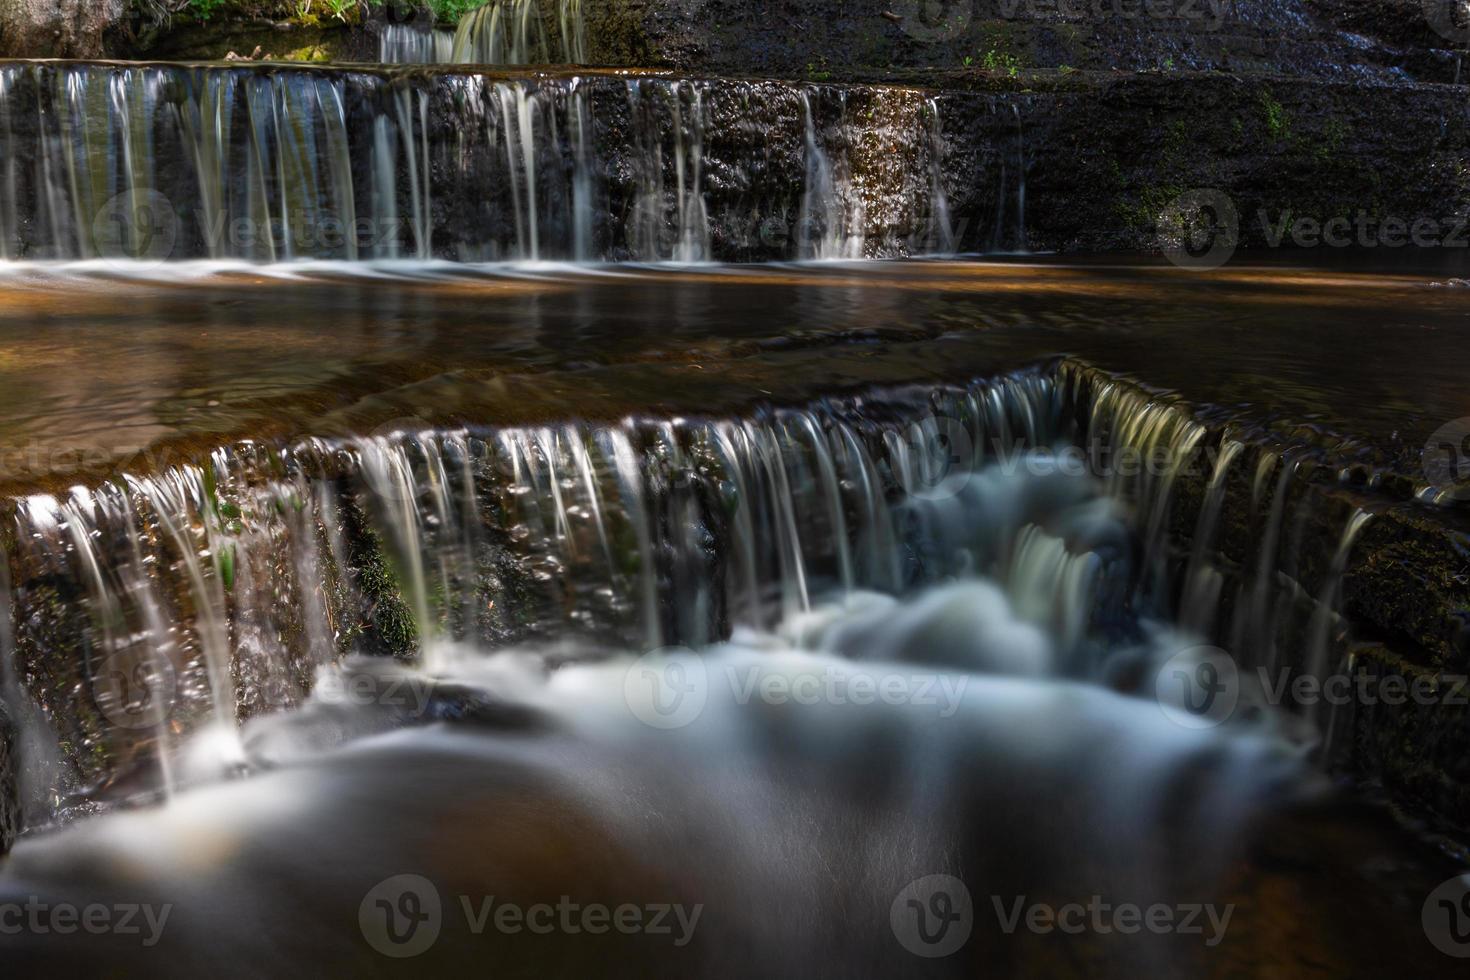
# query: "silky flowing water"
{"points": [[347, 597]]}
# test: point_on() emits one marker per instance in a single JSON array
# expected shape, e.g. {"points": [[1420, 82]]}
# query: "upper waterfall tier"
{"points": [[158, 162], [504, 32]]}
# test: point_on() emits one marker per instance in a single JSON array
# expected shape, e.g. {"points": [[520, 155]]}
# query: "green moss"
{"points": [[383, 625], [317, 53], [1278, 121], [1334, 135], [391, 620]]}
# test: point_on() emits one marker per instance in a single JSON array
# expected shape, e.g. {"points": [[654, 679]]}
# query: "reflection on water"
{"points": [[96, 368]]}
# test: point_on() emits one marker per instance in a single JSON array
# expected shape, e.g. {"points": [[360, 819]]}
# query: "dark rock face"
{"points": [[9, 783], [1108, 156], [814, 38], [1416, 748], [60, 28]]}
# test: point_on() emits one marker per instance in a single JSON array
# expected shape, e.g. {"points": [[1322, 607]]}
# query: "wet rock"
{"points": [[60, 28], [1380, 39], [1412, 734], [1109, 156], [9, 783]]}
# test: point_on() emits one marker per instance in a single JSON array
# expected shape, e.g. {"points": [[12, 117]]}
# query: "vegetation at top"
{"points": [[301, 11]]}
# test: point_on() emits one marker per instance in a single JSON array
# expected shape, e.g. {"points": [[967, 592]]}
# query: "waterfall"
{"points": [[831, 221], [1021, 168], [929, 533], [641, 533], [1318, 655], [1002, 237], [226, 587], [9, 186], [511, 32], [502, 32], [1142, 444], [943, 237], [573, 25], [293, 164], [413, 44], [1201, 596], [669, 222], [1256, 628]]}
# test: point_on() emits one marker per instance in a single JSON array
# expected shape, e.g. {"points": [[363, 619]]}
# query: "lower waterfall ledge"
{"points": [[236, 539]]}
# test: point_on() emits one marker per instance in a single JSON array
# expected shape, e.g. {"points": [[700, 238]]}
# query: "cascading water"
{"points": [[811, 661], [943, 544], [943, 236], [640, 534], [1318, 653], [1008, 227], [1146, 444], [831, 222], [656, 230], [415, 44], [1021, 167], [294, 164], [1202, 584], [511, 32], [502, 32], [1142, 444], [606, 533], [504, 581]]}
